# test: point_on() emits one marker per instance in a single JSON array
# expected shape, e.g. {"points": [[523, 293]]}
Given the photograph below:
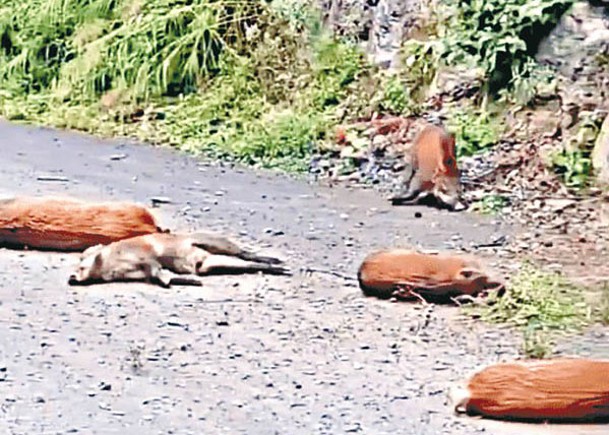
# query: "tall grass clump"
{"points": [[81, 48]]}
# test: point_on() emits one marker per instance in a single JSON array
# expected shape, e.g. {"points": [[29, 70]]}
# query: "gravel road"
{"points": [[306, 354]]}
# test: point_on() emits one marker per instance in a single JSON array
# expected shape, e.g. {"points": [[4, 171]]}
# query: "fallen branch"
{"points": [[329, 272]]}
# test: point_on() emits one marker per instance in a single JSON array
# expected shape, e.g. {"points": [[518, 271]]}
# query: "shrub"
{"points": [[501, 36]]}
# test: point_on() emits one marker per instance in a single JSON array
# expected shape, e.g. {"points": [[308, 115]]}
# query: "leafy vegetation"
{"points": [[501, 37], [244, 79], [540, 304], [420, 67], [539, 297], [475, 130], [80, 48], [574, 162], [492, 204], [574, 166], [536, 342], [395, 97]]}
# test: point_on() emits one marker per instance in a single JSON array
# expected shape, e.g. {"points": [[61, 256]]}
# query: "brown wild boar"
{"points": [[404, 274], [561, 389], [434, 171], [160, 258], [64, 224]]}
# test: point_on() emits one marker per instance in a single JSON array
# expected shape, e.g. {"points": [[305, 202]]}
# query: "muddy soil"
{"points": [[306, 354]]}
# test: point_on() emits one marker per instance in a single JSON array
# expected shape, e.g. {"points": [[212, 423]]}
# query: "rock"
{"points": [[324, 163], [58, 178], [380, 143], [118, 157], [450, 80], [559, 204], [380, 25], [347, 152], [604, 211], [600, 154], [547, 91], [157, 200]]}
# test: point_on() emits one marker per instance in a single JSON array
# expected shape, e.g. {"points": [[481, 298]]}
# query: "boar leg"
{"points": [[452, 201], [228, 264], [410, 195], [216, 244]]}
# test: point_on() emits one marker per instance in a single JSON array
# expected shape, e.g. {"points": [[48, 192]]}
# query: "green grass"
{"points": [[602, 309], [475, 130], [492, 204], [573, 163], [247, 80], [542, 305], [537, 343]]}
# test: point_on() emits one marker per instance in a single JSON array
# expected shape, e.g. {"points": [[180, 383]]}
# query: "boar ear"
{"points": [[458, 396], [468, 272], [91, 249], [97, 263]]}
